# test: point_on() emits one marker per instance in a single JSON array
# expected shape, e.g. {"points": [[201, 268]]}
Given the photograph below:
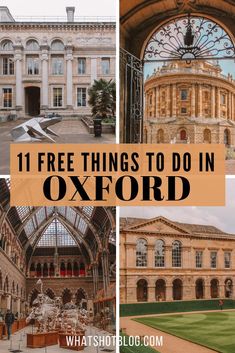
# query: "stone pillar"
{"points": [[199, 100], [154, 102], [169, 292], [105, 268], [95, 277], [151, 260], [207, 290], [19, 86], [213, 101], [45, 74], [69, 72], [193, 101], [173, 99], [157, 103], [8, 301], [18, 306], [151, 294], [168, 257], [232, 103], [168, 101], [218, 103]]}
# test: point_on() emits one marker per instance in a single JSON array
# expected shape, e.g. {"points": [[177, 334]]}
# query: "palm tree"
{"points": [[102, 98]]}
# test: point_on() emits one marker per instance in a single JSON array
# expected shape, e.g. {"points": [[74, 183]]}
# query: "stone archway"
{"points": [[160, 290], [142, 290], [199, 288], [214, 288], [177, 289], [66, 296]]}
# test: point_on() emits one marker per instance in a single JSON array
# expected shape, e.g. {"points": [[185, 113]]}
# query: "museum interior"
{"points": [[59, 260]]}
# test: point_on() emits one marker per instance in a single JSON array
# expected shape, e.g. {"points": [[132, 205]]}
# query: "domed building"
{"points": [[189, 102]]}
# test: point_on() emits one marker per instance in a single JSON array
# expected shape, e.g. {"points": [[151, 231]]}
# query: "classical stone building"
{"points": [[164, 260], [48, 66], [189, 103], [71, 249]]}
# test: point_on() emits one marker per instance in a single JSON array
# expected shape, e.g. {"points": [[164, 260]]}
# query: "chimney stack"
{"points": [[70, 13]]}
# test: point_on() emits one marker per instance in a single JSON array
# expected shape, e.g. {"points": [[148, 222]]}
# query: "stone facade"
{"points": [[49, 66], [164, 260], [189, 103]]}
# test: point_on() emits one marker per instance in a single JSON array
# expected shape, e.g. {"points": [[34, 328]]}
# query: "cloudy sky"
{"points": [[221, 217], [57, 7]]}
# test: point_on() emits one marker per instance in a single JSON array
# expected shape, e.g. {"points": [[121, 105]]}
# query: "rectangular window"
{"points": [[81, 97], [33, 66], [183, 110], [57, 97], [105, 65], [198, 259], [223, 99], [7, 97], [7, 66], [81, 66], [213, 259], [227, 259], [184, 94], [57, 65]]}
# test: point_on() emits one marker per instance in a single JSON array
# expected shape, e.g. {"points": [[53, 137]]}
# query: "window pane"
{"points": [[57, 66], [184, 94], [199, 259], [7, 66], [160, 253], [141, 253], [7, 97], [81, 97], [57, 97], [105, 63], [33, 66], [213, 259], [176, 254], [227, 259], [81, 66]]}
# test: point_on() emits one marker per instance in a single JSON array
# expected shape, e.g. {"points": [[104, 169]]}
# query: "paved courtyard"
{"points": [[69, 131], [18, 343]]}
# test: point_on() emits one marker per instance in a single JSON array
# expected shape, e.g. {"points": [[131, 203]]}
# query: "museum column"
{"points": [[95, 277], [18, 73], [45, 73], [157, 103], [193, 102], [174, 100], [218, 103], [69, 72], [105, 267], [199, 100]]}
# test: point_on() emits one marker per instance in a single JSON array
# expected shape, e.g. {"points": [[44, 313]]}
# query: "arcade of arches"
{"points": [[162, 260], [72, 249], [139, 20]]}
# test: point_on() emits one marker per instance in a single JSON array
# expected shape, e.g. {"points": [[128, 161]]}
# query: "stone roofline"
{"points": [[72, 25]]}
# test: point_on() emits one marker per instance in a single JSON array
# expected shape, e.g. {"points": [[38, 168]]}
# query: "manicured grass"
{"points": [[214, 330], [136, 349]]}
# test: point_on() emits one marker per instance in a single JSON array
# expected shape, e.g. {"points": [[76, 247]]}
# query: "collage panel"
{"points": [[177, 74], [57, 277], [57, 75], [177, 267]]}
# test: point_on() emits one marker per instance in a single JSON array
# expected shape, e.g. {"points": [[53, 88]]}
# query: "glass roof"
{"points": [[56, 232]]}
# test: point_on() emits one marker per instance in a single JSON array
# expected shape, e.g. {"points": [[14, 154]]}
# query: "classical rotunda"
{"points": [[189, 102]]}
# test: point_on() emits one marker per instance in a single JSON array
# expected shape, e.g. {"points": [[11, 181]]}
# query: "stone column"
{"points": [[207, 290], [45, 73], [168, 101], [232, 116], [8, 299], [193, 101], [169, 292], [154, 102], [173, 99], [151, 294], [218, 103], [69, 72], [151, 260], [168, 257], [157, 103], [105, 268], [199, 100], [213, 101], [95, 277], [18, 72]]}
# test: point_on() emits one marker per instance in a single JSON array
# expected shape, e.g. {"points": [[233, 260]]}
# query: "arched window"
{"points": [[39, 270], [214, 288], [142, 291], [228, 288], [82, 269], [141, 253], [160, 290], [176, 254], [183, 134], [62, 269], [7, 45], [66, 296], [69, 269], [32, 44], [199, 288], [207, 136], [75, 269], [160, 136], [159, 253], [177, 289], [32, 270], [45, 270], [57, 45], [52, 270]]}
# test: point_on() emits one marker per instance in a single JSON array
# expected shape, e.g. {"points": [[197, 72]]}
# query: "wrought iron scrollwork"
{"points": [[189, 38], [132, 77]]}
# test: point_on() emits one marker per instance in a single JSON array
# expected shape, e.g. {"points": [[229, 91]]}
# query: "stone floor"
{"points": [[18, 343], [69, 131]]}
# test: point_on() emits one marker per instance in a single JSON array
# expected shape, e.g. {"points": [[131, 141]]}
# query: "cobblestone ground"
{"points": [[69, 131]]}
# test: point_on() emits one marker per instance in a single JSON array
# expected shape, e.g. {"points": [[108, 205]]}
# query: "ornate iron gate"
{"points": [[131, 96]]}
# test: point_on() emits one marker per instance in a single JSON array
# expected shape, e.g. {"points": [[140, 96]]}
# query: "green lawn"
{"points": [[213, 330]]}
